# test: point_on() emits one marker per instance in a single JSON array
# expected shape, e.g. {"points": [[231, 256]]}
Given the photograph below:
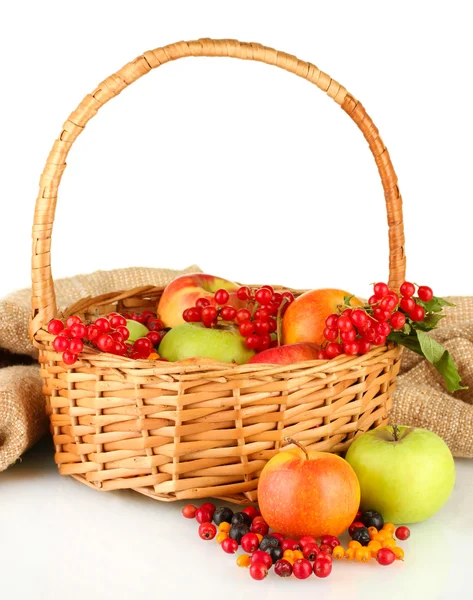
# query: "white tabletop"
{"points": [[61, 539]]}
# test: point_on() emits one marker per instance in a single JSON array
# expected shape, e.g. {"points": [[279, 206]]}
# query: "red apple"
{"points": [[183, 291], [286, 355], [304, 319], [303, 492]]}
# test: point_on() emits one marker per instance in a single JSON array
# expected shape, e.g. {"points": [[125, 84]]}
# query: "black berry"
{"points": [[268, 542], [223, 515], [241, 517], [371, 518], [362, 535], [238, 531], [276, 553]]}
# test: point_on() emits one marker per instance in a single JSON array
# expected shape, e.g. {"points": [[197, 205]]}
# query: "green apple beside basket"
{"points": [[179, 432]]}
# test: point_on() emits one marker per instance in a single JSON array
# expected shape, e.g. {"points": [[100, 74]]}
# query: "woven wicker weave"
{"points": [[175, 431]]}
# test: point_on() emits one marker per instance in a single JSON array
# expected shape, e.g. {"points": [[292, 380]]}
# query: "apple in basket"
{"points": [[405, 473], [304, 319], [222, 343], [287, 355], [183, 291]]}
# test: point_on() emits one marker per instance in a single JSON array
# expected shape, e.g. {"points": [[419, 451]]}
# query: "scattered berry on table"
{"points": [[371, 518], [269, 542], [353, 526], [244, 560], [222, 514], [373, 547], [251, 511], [362, 554], [326, 548], [362, 535], [322, 567], [249, 542], [210, 506], [259, 526], [258, 571], [403, 532], [207, 531], [238, 530], [302, 568], [311, 551], [373, 531], [203, 515], [262, 557], [283, 568], [189, 511], [350, 553], [222, 535], [229, 545], [280, 537], [385, 556], [290, 544], [276, 553], [241, 518], [354, 544], [389, 543], [330, 540], [398, 552], [224, 526], [338, 552]]}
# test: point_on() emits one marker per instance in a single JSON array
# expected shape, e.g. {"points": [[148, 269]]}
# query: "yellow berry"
{"points": [[373, 547], [153, 356], [221, 536], [259, 536], [288, 554], [350, 554], [224, 526], [354, 544], [381, 536], [338, 552], [389, 543], [362, 554], [399, 552], [298, 554], [243, 560], [389, 527], [372, 531]]}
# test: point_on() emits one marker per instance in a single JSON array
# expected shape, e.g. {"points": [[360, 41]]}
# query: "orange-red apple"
{"points": [[304, 319], [302, 492], [182, 292], [287, 355]]}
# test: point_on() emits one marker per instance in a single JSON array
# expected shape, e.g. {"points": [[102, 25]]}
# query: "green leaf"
{"points": [[430, 322], [409, 341], [431, 349], [434, 305], [347, 299], [446, 367], [442, 361]]}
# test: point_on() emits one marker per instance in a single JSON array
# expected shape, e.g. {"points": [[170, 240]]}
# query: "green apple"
{"points": [[189, 340], [137, 330], [406, 473]]}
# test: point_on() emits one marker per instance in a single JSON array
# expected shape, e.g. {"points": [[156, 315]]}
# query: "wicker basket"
{"points": [[177, 432]]}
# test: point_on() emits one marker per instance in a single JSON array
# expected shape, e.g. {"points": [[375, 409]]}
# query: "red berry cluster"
{"points": [[257, 322], [247, 529], [108, 334], [356, 330]]}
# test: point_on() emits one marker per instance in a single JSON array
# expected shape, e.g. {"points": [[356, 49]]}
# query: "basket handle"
{"points": [[43, 294]]}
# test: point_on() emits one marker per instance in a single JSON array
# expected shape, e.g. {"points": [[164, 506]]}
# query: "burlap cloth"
{"points": [[420, 399]]}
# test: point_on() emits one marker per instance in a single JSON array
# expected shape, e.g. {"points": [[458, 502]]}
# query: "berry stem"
{"points": [[291, 440], [279, 320]]}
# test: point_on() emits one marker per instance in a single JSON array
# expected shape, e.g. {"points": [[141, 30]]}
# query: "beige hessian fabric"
{"points": [[420, 399], [22, 416]]}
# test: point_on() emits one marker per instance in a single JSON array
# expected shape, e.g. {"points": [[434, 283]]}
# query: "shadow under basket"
{"points": [[185, 431]]}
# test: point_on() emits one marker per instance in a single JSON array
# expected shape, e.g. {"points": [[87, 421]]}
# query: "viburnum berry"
{"points": [[73, 320], [351, 348], [202, 302], [263, 295], [379, 340], [344, 323], [364, 346], [103, 324], [417, 313], [385, 556], [61, 343], [381, 314], [322, 355], [192, 314], [92, 333], [119, 321], [330, 334], [288, 297], [383, 329], [78, 330], [209, 314], [425, 293], [221, 296], [373, 300], [252, 341], [407, 289], [250, 542], [407, 304], [397, 320], [262, 557], [68, 357], [210, 506], [55, 326], [388, 303], [333, 349], [242, 315], [331, 321], [76, 346], [359, 318], [229, 545], [154, 324], [348, 336], [380, 290], [228, 313], [243, 293], [203, 515], [258, 571], [276, 298]]}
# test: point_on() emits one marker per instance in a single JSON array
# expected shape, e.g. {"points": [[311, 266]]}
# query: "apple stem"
{"points": [[291, 440], [395, 432]]}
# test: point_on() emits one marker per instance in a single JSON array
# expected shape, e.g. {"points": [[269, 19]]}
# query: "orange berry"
{"points": [[389, 543], [398, 552], [373, 547], [224, 526], [362, 554], [288, 554], [221, 536], [354, 544], [350, 554], [153, 356], [381, 536], [338, 552], [298, 554], [389, 527], [259, 536], [372, 531], [243, 560]]}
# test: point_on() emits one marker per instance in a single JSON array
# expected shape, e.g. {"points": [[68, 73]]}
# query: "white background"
{"points": [[242, 168], [255, 175]]}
